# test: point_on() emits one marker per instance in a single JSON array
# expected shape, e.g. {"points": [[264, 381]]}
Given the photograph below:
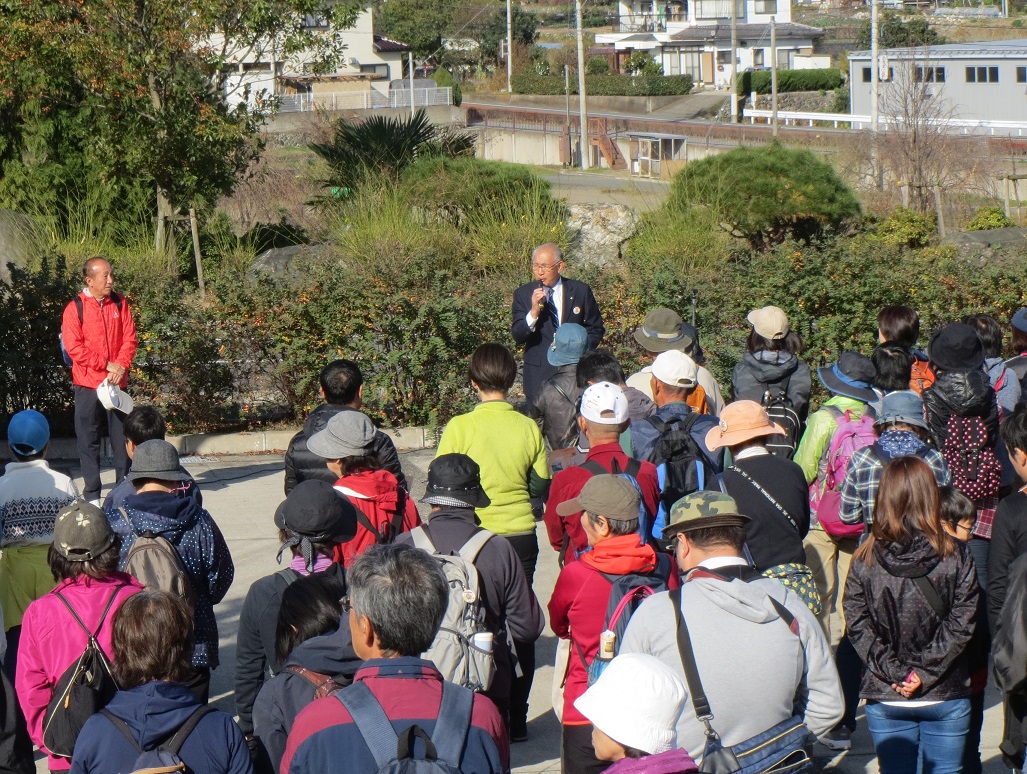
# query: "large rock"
{"points": [[20, 241], [287, 262], [600, 230]]}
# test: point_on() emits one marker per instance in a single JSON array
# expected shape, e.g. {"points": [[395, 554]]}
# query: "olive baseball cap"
{"points": [[701, 510], [81, 532], [611, 496]]}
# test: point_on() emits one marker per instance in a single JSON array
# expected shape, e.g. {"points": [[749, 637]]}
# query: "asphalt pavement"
{"points": [[242, 492]]}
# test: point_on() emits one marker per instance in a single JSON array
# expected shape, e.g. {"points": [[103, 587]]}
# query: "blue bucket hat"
{"points": [[851, 376], [569, 344], [903, 406], [28, 433], [1019, 320]]}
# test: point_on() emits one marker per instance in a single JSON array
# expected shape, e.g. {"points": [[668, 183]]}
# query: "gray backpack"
{"points": [[453, 652], [154, 561], [395, 753]]}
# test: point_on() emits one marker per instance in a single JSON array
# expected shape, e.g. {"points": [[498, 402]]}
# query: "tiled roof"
{"points": [[701, 33], [383, 45]]}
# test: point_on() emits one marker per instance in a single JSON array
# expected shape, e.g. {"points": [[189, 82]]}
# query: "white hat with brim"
{"points": [[113, 398], [636, 702]]}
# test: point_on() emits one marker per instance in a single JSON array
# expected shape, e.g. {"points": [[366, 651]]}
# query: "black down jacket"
{"points": [[894, 629], [960, 393], [302, 464]]}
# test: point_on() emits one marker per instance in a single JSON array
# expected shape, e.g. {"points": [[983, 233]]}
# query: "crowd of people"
{"points": [[737, 577]]}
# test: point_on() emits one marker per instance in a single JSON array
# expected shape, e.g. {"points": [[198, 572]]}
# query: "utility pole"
{"points": [[875, 71], [734, 61], [509, 46], [773, 75], [410, 60], [582, 112]]}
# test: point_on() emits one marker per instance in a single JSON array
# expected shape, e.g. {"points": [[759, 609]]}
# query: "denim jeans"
{"points": [[902, 734]]}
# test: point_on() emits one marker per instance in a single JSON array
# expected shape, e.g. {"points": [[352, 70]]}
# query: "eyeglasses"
{"points": [[545, 266], [965, 528]]}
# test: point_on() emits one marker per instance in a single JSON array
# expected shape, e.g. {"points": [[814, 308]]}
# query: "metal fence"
{"points": [[362, 100], [957, 125]]}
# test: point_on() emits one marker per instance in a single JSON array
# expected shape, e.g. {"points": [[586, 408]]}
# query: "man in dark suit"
{"points": [[540, 307]]}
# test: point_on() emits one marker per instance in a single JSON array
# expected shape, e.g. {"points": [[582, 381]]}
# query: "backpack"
{"points": [[825, 497], [163, 759], [681, 466], [154, 562], [627, 592], [83, 690], [921, 377], [394, 753], [453, 652], [975, 470], [781, 411], [81, 319], [389, 529], [696, 400], [569, 438]]}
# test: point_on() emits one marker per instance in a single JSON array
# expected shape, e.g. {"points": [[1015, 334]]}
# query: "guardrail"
{"points": [[960, 125], [362, 100]]}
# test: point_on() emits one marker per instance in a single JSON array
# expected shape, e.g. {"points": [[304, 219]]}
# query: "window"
{"points": [[375, 69], [723, 57], [982, 75], [867, 75], [1021, 74], [766, 6], [719, 9], [929, 74], [757, 57], [314, 21]]}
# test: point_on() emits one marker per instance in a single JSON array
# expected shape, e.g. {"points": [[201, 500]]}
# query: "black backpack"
{"points": [[627, 592], [681, 465], [84, 689], [163, 759], [781, 411]]}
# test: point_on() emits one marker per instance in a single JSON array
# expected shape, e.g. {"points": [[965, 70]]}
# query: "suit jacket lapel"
{"points": [[568, 302]]}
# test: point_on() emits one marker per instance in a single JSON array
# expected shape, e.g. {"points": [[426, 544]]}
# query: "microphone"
{"points": [[545, 299]]}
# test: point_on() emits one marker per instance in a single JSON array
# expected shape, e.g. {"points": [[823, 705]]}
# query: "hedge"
{"points": [[605, 85], [827, 79]]}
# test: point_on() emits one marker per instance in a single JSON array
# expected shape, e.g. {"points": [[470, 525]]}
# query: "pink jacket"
{"points": [[51, 641]]}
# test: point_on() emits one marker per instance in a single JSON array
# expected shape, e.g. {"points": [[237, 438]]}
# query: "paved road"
{"points": [[242, 494]]}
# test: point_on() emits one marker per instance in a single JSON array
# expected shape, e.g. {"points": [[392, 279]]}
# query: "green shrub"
{"points": [[905, 227], [827, 79], [597, 65], [766, 194], [444, 79], [988, 218], [841, 100], [605, 85], [1018, 23]]}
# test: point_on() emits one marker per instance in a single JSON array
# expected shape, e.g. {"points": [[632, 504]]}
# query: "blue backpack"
{"points": [[163, 759]]}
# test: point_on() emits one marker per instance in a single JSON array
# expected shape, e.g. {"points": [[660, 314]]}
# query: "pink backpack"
{"points": [[824, 498]]}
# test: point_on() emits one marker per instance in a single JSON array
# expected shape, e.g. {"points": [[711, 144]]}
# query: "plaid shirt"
{"points": [[863, 476]]}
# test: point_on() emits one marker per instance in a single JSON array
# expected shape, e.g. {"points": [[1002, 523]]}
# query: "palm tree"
{"points": [[382, 147]]}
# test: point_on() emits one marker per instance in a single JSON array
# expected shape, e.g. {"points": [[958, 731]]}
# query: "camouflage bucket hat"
{"points": [[701, 510]]}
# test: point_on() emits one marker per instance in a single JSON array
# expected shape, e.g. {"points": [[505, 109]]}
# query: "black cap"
{"points": [[455, 480], [956, 347], [316, 511]]}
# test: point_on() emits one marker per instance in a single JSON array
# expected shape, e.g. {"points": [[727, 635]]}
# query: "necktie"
{"points": [[551, 308]]}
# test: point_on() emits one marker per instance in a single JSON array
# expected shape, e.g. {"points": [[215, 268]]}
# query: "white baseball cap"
{"points": [[114, 398], [605, 404], [675, 368], [636, 702]]}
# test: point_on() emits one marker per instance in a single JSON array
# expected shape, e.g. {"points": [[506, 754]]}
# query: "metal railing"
{"points": [[960, 125], [362, 100]]}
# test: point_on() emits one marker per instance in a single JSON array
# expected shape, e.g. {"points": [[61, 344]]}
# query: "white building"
{"points": [[694, 36], [967, 81], [365, 68]]}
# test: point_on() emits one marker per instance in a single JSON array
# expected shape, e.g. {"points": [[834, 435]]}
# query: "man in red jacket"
{"points": [[602, 417], [99, 336]]}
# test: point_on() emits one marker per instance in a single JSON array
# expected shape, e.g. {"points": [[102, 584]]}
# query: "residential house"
{"points": [[694, 36]]}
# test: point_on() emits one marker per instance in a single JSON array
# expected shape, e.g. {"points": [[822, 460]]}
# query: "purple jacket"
{"points": [[670, 762]]}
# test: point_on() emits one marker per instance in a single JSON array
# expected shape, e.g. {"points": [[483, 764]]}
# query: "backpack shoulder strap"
{"points": [[933, 597], [81, 311], [371, 721], [469, 551], [633, 467], [700, 703], [453, 724], [103, 615], [122, 726], [288, 575], [422, 539], [400, 514], [323, 684], [594, 468], [365, 522], [656, 423], [769, 497], [562, 391], [174, 744]]}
